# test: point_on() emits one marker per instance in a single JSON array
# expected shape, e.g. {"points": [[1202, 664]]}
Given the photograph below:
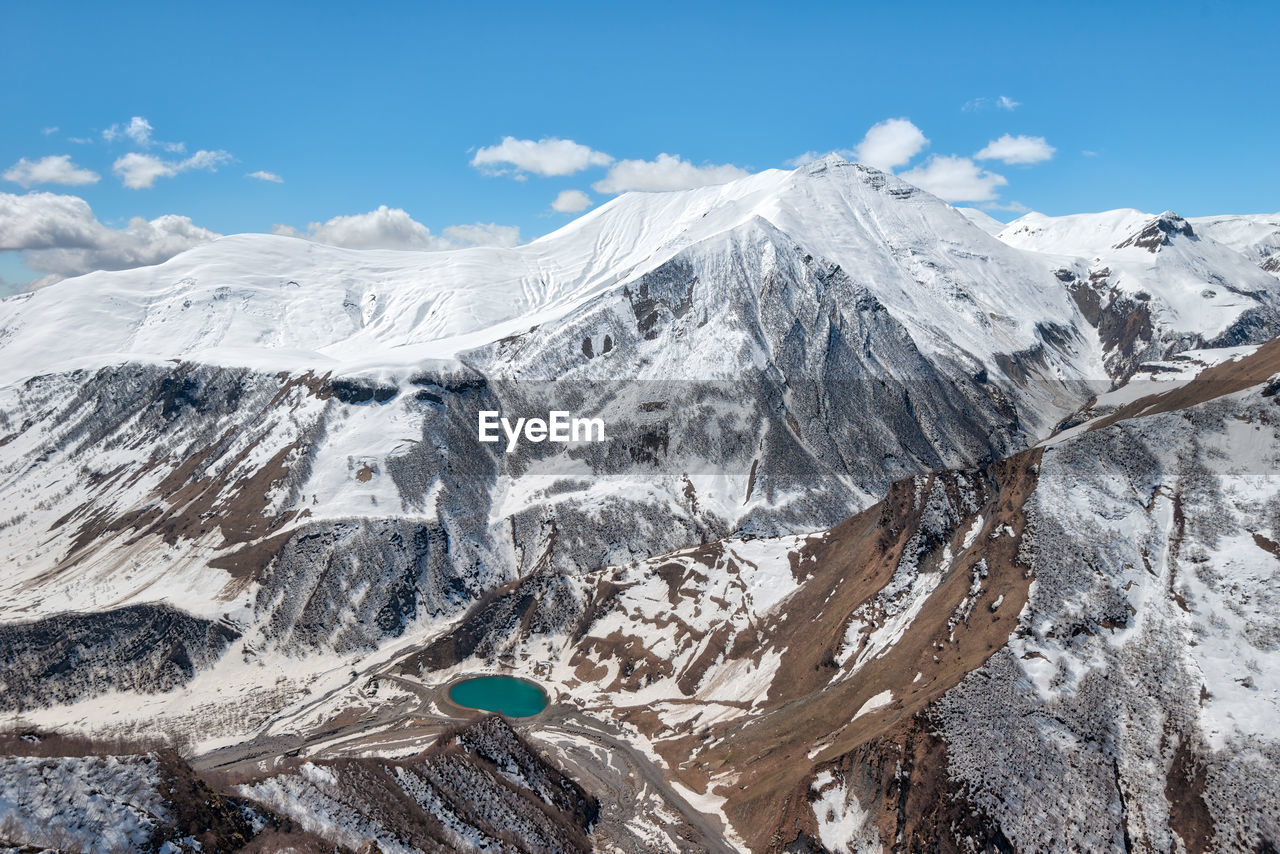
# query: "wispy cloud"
{"points": [[139, 171], [571, 201], [138, 131], [394, 228], [263, 175], [1002, 102], [955, 179], [665, 172], [802, 159], [1017, 150], [548, 156], [54, 169], [1012, 207], [49, 131]]}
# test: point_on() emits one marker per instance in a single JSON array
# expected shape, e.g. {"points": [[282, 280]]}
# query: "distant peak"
{"points": [[835, 166], [834, 161], [1158, 232], [823, 163]]}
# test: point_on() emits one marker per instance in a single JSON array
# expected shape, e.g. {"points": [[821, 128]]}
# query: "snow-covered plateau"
{"points": [[907, 527]]}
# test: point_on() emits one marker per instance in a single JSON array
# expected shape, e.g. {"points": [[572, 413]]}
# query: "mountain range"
{"points": [[909, 531]]}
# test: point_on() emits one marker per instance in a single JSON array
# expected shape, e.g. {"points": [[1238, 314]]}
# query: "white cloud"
{"points": [[1088, 153], [571, 201], [54, 169], [548, 156], [138, 129], [263, 175], [49, 131], [482, 234], [801, 159], [665, 172], [1017, 149], [1013, 207], [60, 236], [955, 179], [140, 171], [1004, 102], [890, 143], [393, 228], [45, 221]]}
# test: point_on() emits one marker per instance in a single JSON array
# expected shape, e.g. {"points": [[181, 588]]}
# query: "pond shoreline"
{"points": [[501, 693]]}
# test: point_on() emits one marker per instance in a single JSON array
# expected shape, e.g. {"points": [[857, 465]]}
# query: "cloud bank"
{"points": [[59, 236], [552, 156], [394, 228], [665, 172]]}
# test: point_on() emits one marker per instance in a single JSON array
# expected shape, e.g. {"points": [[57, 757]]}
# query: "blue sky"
{"points": [[355, 107]]}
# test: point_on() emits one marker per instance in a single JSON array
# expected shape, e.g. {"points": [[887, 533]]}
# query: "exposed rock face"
{"points": [[403, 570], [81, 797], [1159, 232], [136, 648], [1147, 570], [1131, 335]]}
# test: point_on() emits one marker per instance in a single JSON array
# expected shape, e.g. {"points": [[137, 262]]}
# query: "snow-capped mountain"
{"points": [[836, 328], [868, 459], [1153, 286], [1255, 237]]}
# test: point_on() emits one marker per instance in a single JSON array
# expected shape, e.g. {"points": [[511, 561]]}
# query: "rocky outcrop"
{"points": [[143, 648]]}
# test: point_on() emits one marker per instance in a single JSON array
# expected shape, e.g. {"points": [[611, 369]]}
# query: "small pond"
{"points": [[513, 697]]}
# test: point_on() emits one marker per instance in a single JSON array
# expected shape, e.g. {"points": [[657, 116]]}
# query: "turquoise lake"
{"points": [[512, 697]]}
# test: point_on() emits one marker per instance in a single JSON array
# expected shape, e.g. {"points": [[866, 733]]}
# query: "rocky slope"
{"points": [[1073, 648], [481, 788]]}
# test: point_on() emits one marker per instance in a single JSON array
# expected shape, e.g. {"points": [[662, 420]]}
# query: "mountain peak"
{"points": [[1158, 232], [823, 163], [835, 164]]}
